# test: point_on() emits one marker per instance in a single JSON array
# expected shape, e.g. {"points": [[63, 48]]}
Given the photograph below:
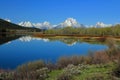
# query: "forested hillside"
{"points": [[6, 26]]}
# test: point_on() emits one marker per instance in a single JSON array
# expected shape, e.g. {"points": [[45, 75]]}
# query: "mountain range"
{"points": [[44, 25], [69, 22]]}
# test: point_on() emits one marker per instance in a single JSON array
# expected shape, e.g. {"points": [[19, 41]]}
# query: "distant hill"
{"points": [[5, 25]]}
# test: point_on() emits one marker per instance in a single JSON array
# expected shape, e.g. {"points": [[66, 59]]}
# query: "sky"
{"points": [[87, 12]]}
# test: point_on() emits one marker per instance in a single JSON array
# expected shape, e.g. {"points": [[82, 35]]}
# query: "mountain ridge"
{"points": [[69, 22]]}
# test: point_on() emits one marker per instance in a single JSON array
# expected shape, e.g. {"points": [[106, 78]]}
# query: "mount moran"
{"points": [[70, 22]]}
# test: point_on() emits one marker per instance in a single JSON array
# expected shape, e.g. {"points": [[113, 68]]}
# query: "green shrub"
{"points": [[116, 71], [32, 71], [100, 57], [65, 76], [63, 62], [70, 71], [39, 74], [6, 75], [75, 60]]}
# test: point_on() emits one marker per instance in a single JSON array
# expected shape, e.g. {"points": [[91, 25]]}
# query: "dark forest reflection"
{"points": [[4, 38]]}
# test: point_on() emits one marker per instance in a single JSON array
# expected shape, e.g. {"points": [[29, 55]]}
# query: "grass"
{"points": [[94, 70], [102, 70], [53, 74], [90, 72]]}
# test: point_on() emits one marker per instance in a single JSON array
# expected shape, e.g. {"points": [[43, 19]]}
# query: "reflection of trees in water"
{"points": [[71, 41], [65, 40], [4, 38], [2, 30]]}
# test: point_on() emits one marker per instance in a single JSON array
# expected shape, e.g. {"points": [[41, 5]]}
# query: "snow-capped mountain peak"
{"points": [[44, 25], [26, 24], [101, 25], [8, 20], [70, 22]]}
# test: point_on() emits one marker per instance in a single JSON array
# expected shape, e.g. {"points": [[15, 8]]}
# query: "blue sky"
{"points": [[87, 12]]}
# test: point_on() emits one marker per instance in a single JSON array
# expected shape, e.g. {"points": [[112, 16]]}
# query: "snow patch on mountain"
{"points": [[70, 22], [101, 25], [26, 24], [8, 20], [44, 25]]}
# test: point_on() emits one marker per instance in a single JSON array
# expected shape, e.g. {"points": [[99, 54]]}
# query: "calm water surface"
{"points": [[24, 49]]}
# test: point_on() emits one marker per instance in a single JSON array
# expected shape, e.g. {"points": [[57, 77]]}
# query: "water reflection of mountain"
{"points": [[67, 40], [29, 38], [73, 41], [5, 38]]}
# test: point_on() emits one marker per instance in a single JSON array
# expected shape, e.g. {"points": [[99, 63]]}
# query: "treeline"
{"points": [[106, 31]]}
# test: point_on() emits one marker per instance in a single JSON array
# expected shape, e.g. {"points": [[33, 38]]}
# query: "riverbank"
{"points": [[41, 35], [39, 71]]}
